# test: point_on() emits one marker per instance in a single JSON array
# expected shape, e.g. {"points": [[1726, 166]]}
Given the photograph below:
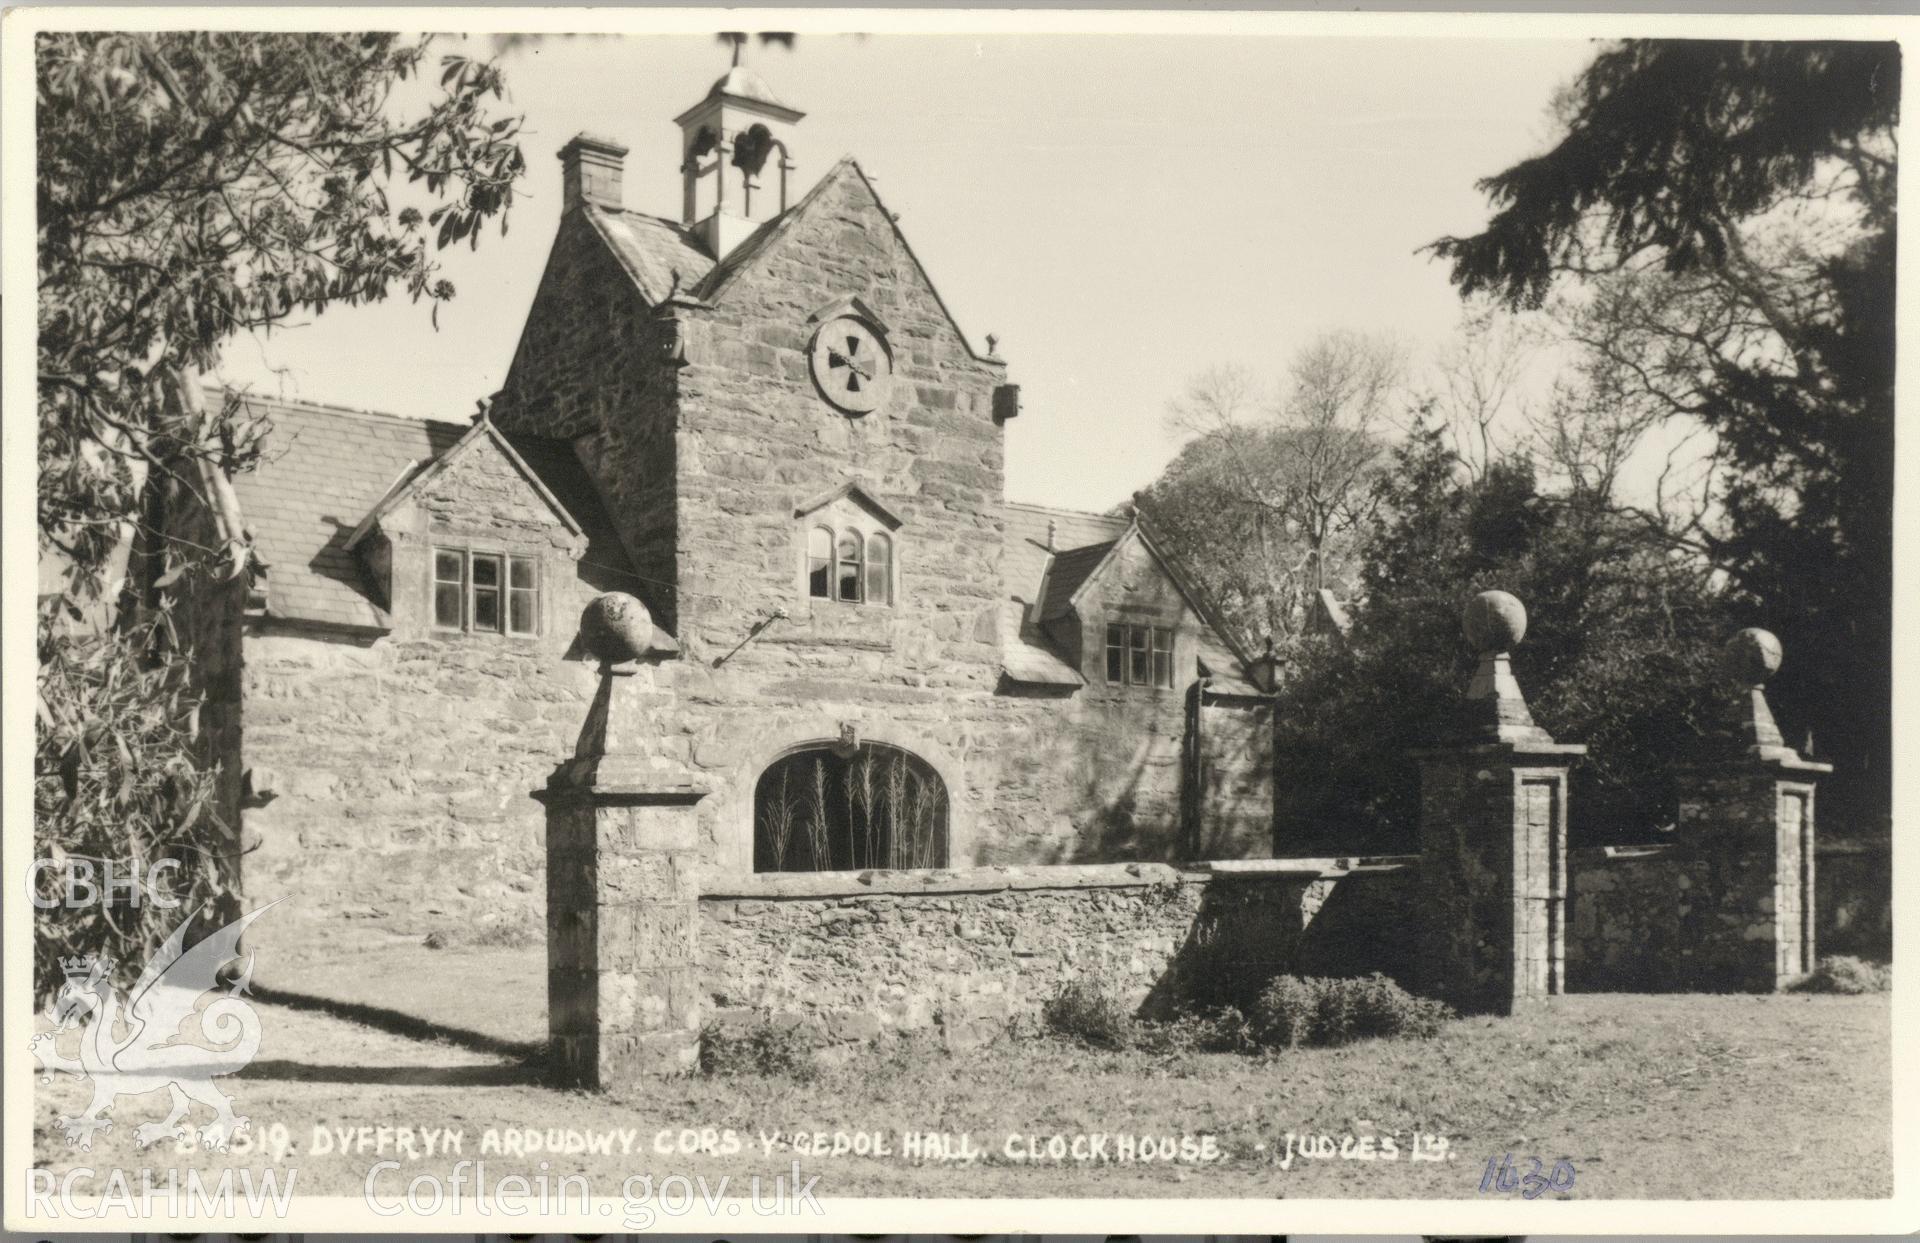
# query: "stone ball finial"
{"points": [[616, 627], [1495, 621], [1753, 656]]}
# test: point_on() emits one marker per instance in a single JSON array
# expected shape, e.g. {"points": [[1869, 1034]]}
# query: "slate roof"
{"points": [[325, 468], [1069, 570], [662, 257], [665, 258], [1081, 542]]}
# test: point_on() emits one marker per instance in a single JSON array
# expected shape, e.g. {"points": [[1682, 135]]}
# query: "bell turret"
{"points": [[736, 159]]}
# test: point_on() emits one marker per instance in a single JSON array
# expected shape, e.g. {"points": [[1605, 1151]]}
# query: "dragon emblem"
{"points": [[133, 1045]]}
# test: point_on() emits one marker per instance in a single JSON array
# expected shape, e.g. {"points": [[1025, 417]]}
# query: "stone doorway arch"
{"points": [[830, 807]]}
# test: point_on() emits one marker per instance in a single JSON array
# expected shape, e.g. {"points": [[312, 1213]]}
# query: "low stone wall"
{"points": [[962, 952], [1637, 913], [1853, 899], [1629, 906]]}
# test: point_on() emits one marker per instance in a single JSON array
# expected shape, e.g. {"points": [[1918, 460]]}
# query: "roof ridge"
{"points": [[1037, 507], [321, 407]]}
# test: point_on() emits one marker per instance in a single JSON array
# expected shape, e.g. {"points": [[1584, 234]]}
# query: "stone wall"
{"points": [[1638, 914], [399, 766], [1630, 907], [857, 954], [1853, 899], [705, 452], [590, 367]]}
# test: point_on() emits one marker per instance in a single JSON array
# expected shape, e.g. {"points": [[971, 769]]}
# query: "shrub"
{"points": [[1222, 1030], [1292, 1011], [1084, 1011], [1843, 973], [1285, 1010], [761, 1048]]}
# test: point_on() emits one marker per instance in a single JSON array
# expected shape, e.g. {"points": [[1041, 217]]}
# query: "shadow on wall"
{"points": [[1248, 932]]}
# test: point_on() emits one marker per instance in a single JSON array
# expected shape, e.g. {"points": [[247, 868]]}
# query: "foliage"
{"points": [[1621, 653], [1091, 1013], [1727, 212], [191, 186], [102, 711], [1843, 973], [1084, 1010], [759, 1048], [1293, 1011]]}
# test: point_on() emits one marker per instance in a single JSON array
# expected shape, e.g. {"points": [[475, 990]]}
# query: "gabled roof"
{"points": [[662, 257], [325, 468], [666, 259], [1069, 573], [410, 484], [771, 234], [1051, 580]]}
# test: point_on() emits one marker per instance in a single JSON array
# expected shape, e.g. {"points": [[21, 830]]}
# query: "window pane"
{"points": [[1116, 653], [486, 608], [1162, 657], [522, 611], [1137, 655], [446, 605], [486, 593], [850, 566], [879, 581], [521, 569], [448, 567], [820, 563]]}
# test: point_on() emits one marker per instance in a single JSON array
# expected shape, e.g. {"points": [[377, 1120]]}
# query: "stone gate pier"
{"points": [[1493, 836], [623, 989], [1746, 816]]}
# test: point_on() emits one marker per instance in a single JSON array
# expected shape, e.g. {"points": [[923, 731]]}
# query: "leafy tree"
{"points": [[1621, 653], [1726, 213], [192, 186]]}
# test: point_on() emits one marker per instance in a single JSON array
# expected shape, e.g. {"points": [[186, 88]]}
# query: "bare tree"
{"points": [[1479, 384], [1342, 386], [1288, 468]]}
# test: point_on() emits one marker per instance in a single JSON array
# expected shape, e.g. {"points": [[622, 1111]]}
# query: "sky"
{"points": [[1120, 211]]}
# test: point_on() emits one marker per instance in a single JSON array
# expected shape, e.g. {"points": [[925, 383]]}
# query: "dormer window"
{"points": [[1139, 656], [485, 592]]}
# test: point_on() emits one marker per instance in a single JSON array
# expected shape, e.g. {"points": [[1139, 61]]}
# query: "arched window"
{"points": [[879, 569], [851, 546], [826, 809], [820, 563]]}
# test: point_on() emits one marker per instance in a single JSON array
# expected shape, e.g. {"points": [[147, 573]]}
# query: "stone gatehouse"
{"points": [[758, 417]]}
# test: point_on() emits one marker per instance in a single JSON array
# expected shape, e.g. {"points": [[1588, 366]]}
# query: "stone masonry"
{"points": [[1493, 836], [1748, 813]]}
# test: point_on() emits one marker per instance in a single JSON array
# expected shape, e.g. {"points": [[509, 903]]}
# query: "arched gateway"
{"points": [[828, 807]]}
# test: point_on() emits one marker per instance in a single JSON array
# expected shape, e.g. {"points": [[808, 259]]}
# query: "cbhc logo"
{"points": [[79, 881]]}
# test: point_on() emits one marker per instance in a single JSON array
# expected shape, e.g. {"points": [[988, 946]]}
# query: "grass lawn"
{"points": [[1649, 1097]]}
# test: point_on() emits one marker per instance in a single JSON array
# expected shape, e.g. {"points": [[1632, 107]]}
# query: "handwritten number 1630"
{"points": [[1502, 1176]]}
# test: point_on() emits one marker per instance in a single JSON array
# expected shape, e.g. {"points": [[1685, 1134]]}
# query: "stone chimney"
{"points": [[590, 170]]}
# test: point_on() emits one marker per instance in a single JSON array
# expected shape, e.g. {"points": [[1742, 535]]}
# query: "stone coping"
{"points": [[882, 881], [1332, 865], [1645, 851], [878, 882]]}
